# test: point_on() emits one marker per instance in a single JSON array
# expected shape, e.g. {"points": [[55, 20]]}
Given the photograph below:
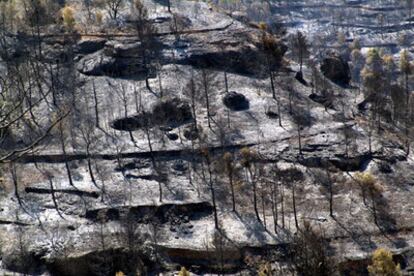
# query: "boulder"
{"points": [[190, 133], [299, 77], [100, 64], [336, 69], [12, 48], [172, 136], [167, 113], [179, 166], [21, 260], [131, 123], [172, 111], [88, 46], [271, 111], [236, 101], [384, 167], [322, 99]]}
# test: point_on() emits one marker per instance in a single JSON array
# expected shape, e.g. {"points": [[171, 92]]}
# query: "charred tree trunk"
{"points": [[96, 107], [294, 206], [63, 147]]}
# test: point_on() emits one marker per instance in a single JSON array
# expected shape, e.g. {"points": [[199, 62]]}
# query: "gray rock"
{"points": [[88, 46], [191, 133], [171, 111], [236, 101], [172, 136], [180, 166], [271, 111], [336, 69]]}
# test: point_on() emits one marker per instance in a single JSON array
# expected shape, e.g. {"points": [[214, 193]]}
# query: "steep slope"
{"points": [[133, 185]]}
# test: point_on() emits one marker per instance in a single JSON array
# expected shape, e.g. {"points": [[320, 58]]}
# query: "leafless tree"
{"points": [[113, 7], [300, 48], [309, 252], [208, 83], [210, 182], [302, 118], [229, 168], [145, 32], [292, 177]]}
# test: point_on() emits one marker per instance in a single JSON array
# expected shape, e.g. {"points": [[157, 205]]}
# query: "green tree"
{"points": [[184, 272], [265, 269], [383, 265], [373, 77], [369, 184], [68, 17], [248, 158]]}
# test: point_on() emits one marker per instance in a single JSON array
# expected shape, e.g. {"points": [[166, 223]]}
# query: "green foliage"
{"points": [[184, 272], [389, 64], [369, 182], [341, 38], [365, 178], [373, 71], [356, 55], [248, 156], [272, 47], [265, 269], [383, 265], [8, 14], [228, 161], [405, 65], [99, 17], [68, 17], [356, 44]]}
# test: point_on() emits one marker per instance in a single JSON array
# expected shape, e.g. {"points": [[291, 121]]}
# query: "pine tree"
{"points": [[248, 158], [383, 265], [68, 17], [371, 185], [373, 80], [183, 272], [358, 63]]}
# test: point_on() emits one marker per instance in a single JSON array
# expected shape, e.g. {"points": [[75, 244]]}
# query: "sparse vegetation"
{"points": [[68, 17], [383, 264], [220, 137]]}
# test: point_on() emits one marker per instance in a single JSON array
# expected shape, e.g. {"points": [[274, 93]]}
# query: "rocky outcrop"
{"points": [[336, 69], [163, 214], [236, 101], [88, 46], [233, 47], [101, 64], [170, 112], [191, 133], [322, 99]]}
